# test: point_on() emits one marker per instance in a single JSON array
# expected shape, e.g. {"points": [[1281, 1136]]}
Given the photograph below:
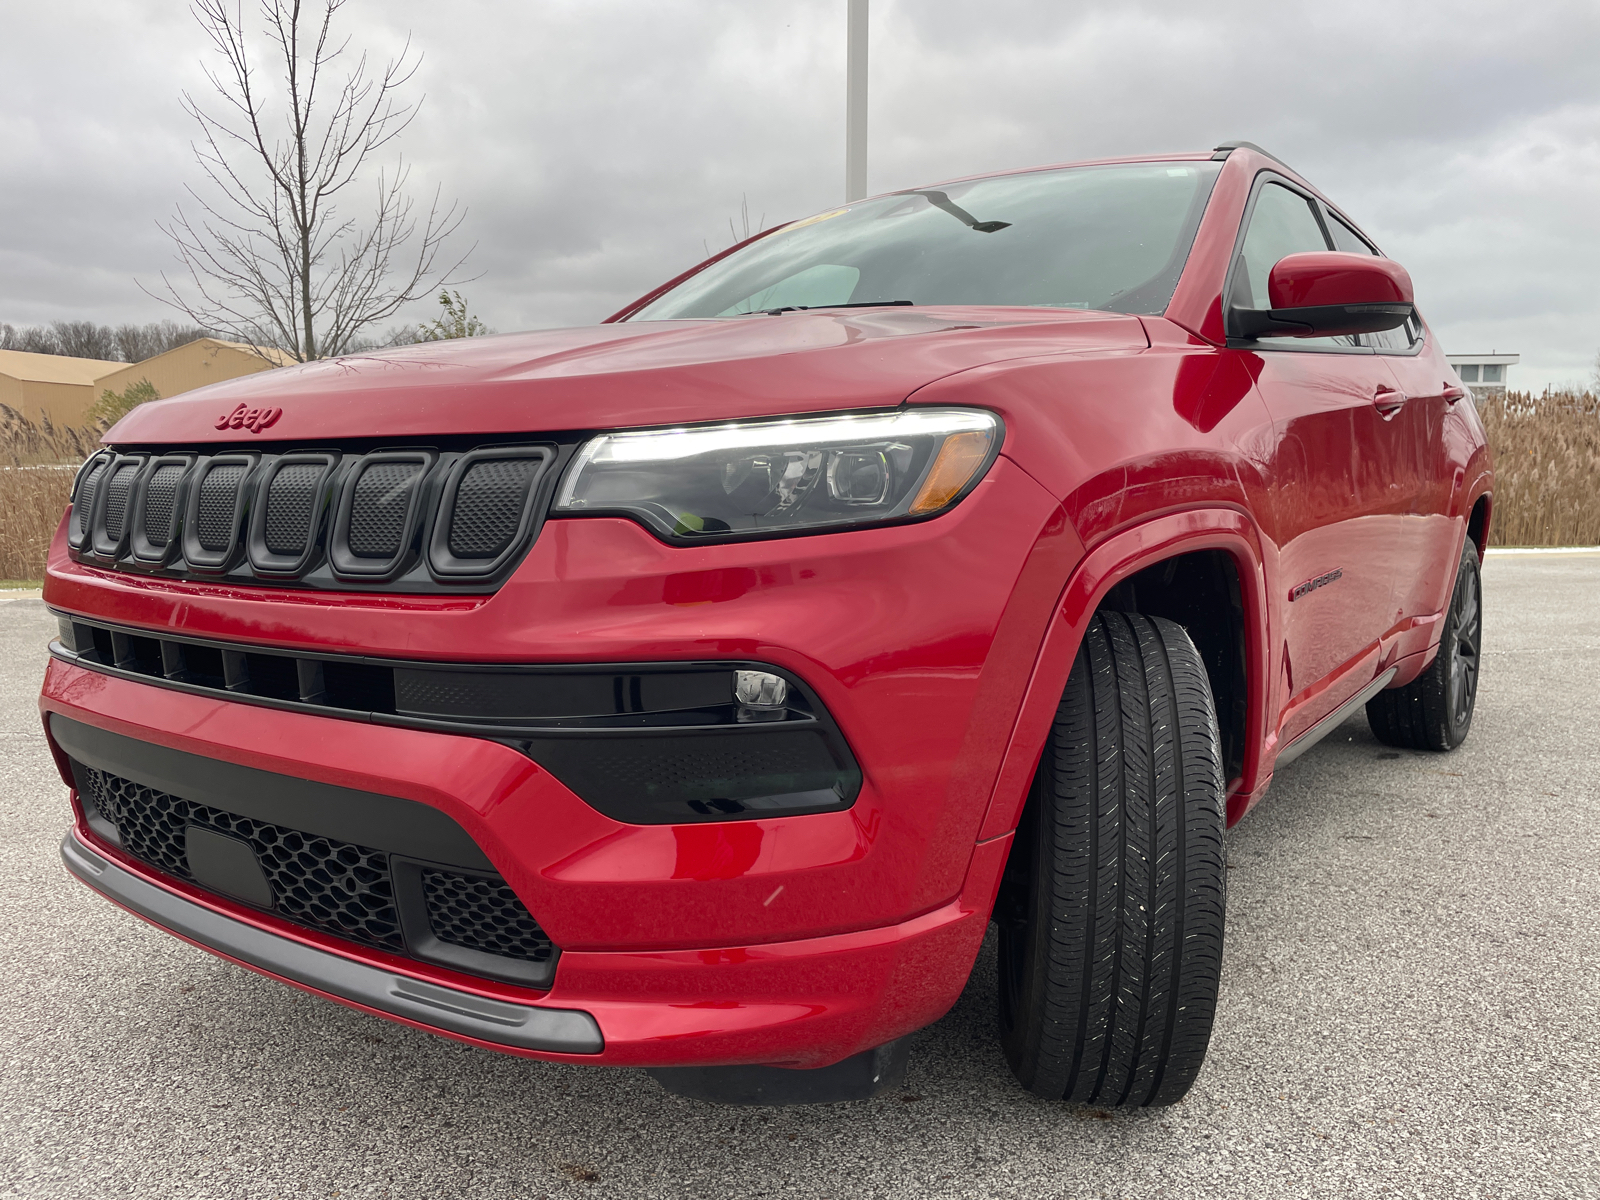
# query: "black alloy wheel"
{"points": [[1434, 711], [1111, 908]]}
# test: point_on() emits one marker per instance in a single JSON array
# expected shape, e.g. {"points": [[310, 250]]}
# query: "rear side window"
{"points": [[1282, 223]]}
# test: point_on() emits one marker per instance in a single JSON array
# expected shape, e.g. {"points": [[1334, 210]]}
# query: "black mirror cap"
{"points": [[1322, 320]]}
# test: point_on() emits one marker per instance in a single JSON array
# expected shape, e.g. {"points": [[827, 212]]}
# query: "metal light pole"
{"points": [[855, 104]]}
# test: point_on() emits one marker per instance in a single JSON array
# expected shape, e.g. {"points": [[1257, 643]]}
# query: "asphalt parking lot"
{"points": [[1410, 1008]]}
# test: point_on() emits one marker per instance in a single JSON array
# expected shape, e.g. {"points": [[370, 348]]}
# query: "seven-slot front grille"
{"points": [[348, 890], [402, 520]]}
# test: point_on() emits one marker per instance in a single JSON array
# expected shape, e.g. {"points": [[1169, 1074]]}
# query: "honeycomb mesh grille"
{"points": [[219, 506], [291, 505], [378, 510], [160, 496], [118, 490], [489, 504], [85, 505], [316, 881], [483, 914]]}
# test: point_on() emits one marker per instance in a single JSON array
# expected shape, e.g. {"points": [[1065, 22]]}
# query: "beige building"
{"points": [[51, 385], [192, 365], [64, 388]]}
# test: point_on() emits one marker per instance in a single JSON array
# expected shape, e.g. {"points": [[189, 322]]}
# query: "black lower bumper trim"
{"points": [[518, 1026], [859, 1077]]}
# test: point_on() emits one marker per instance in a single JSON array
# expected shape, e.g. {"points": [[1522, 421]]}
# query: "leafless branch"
{"points": [[267, 256]]}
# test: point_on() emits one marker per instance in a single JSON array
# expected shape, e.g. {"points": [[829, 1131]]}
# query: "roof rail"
{"points": [[1221, 152]]}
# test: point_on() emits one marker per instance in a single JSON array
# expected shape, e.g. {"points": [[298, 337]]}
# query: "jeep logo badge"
{"points": [[253, 419]]}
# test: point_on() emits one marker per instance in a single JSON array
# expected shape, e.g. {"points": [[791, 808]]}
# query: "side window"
{"points": [[1347, 239], [1281, 224], [1394, 341], [1390, 341]]}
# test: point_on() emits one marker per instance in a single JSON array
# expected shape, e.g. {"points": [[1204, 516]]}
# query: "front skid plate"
{"points": [[524, 1027]]}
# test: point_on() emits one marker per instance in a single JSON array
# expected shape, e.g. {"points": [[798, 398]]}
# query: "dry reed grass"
{"points": [[25, 444], [1547, 468], [37, 462], [32, 499]]}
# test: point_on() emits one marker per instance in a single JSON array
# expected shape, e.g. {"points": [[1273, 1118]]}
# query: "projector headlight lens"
{"points": [[805, 475]]}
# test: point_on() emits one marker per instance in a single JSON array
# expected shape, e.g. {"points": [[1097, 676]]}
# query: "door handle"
{"points": [[1453, 392], [1388, 401]]}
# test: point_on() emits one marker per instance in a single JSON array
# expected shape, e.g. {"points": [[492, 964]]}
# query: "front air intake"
{"points": [[487, 509], [158, 510], [109, 522], [88, 487], [380, 507], [290, 502], [215, 511]]}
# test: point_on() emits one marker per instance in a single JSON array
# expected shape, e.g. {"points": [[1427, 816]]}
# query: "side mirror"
{"points": [[1327, 293]]}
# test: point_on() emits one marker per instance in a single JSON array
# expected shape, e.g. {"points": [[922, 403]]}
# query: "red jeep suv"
{"points": [[691, 691]]}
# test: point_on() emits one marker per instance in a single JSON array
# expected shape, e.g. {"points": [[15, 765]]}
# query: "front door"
{"points": [[1338, 489]]}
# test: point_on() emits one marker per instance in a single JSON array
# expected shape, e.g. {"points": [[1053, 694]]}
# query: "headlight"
{"points": [[793, 476]]}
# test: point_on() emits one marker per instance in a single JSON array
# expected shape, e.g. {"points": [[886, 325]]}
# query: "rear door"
{"points": [[1339, 487]]}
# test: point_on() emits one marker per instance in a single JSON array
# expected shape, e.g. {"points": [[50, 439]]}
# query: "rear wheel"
{"points": [[1112, 906], [1434, 710]]}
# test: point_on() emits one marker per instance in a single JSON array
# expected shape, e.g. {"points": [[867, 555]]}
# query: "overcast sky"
{"points": [[600, 146]]}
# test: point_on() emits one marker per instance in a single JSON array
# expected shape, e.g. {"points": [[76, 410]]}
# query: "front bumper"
{"points": [[798, 1004], [797, 940]]}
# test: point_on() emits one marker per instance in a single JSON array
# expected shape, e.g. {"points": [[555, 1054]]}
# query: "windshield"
{"points": [[1111, 237]]}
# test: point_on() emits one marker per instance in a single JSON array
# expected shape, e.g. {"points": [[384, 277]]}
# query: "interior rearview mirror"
{"points": [[1327, 293]]}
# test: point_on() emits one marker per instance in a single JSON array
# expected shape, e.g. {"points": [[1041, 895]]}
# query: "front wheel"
{"points": [[1111, 909], [1434, 710]]}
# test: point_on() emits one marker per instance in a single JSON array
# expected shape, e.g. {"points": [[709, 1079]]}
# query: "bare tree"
{"points": [[135, 343], [270, 258], [85, 339]]}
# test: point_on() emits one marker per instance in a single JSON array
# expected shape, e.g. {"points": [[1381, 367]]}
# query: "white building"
{"points": [[1484, 371]]}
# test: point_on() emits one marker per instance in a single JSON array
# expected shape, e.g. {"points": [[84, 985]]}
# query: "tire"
{"points": [[1434, 710], [1111, 909]]}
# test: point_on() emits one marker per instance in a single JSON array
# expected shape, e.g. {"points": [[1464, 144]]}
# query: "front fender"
{"points": [[1110, 562]]}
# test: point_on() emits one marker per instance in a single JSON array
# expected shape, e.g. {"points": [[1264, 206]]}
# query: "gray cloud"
{"points": [[601, 145]]}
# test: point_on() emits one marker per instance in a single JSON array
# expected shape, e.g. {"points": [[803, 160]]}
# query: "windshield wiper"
{"points": [[941, 201], [772, 312]]}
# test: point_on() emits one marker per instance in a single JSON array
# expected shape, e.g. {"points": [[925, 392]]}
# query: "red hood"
{"points": [[612, 376]]}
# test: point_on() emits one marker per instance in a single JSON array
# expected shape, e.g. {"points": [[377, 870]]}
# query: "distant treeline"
{"points": [[85, 339]]}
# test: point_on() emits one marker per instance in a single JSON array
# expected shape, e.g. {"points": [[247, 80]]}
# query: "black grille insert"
{"points": [[83, 509], [378, 516], [482, 914], [219, 506], [290, 507], [491, 501], [117, 494], [160, 499], [489, 504], [316, 881], [380, 509], [472, 922]]}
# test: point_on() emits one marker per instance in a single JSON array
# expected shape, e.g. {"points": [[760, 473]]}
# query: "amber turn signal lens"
{"points": [[958, 461]]}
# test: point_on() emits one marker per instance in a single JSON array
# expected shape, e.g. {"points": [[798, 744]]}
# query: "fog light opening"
{"points": [[762, 695]]}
